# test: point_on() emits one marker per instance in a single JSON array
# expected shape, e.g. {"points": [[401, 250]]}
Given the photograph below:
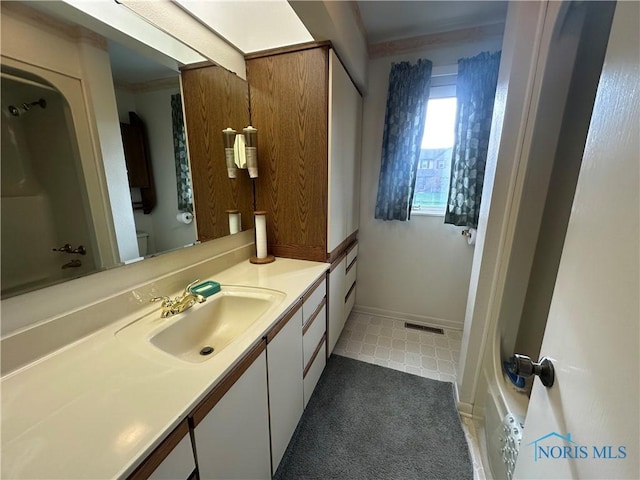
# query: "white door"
{"points": [[587, 425]]}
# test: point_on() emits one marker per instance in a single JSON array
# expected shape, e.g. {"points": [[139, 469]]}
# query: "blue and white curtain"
{"points": [[183, 176], [403, 129], [476, 90]]}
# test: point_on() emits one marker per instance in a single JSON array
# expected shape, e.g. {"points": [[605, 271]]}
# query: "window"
{"points": [[434, 165]]}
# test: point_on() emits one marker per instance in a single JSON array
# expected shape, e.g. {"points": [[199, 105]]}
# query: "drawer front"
{"points": [[349, 302], [352, 254], [313, 335], [312, 301], [351, 277], [314, 373]]}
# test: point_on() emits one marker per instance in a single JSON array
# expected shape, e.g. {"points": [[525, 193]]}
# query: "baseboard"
{"points": [[409, 317], [465, 409]]}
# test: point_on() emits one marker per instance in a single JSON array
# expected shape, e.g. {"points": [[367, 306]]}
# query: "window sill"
{"points": [[427, 213]]}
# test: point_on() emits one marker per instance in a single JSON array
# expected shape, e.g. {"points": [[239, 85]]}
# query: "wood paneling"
{"points": [[215, 99], [287, 49], [301, 252], [289, 107]]}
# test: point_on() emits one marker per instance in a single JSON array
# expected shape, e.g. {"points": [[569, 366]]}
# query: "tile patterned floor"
{"points": [[386, 342]]}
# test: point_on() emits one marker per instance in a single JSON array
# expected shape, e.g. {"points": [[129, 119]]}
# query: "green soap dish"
{"points": [[206, 289]]}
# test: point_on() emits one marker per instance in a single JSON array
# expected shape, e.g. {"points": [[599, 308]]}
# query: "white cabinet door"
{"points": [[352, 174], [337, 282], [179, 464], [232, 440], [284, 361], [344, 161]]}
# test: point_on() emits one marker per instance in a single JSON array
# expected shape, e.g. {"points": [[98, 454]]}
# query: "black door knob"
{"points": [[523, 366]]}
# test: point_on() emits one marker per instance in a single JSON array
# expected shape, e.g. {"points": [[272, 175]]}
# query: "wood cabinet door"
{"points": [[289, 94]]}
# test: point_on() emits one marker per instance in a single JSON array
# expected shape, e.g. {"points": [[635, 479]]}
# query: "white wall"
{"points": [[417, 269], [101, 100], [338, 22]]}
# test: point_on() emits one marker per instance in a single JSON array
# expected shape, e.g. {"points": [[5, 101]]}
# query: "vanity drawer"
{"points": [[351, 276], [352, 254], [349, 301], [312, 299], [313, 333], [315, 369]]}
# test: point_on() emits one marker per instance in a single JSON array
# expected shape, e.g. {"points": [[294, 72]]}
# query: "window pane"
{"points": [[434, 166]]}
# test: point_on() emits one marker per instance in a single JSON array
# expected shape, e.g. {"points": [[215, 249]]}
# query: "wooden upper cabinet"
{"points": [[291, 92], [214, 99]]}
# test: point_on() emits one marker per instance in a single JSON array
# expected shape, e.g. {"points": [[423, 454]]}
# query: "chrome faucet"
{"points": [[181, 303]]}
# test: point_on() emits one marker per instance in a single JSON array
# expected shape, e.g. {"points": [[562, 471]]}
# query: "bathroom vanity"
{"points": [[95, 383], [114, 404]]}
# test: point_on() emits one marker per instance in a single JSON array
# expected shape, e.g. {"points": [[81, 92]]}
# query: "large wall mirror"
{"points": [[96, 168]]}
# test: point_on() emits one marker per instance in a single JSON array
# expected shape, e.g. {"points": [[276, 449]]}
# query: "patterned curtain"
{"points": [[476, 90], [183, 177], [403, 129]]}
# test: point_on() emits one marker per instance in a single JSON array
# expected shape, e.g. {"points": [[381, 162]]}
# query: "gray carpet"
{"points": [[369, 422]]}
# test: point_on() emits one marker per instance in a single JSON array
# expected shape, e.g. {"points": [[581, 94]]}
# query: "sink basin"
{"points": [[203, 331]]}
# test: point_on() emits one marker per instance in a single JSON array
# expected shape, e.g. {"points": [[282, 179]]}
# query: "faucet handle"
{"points": [[188, 288], [166, 301]]}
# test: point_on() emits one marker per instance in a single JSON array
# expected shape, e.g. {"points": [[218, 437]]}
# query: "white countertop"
{"points": [[96, 408]]}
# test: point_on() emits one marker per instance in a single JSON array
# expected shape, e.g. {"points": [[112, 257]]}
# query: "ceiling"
{"points": [[250, 25], [394, 20]]}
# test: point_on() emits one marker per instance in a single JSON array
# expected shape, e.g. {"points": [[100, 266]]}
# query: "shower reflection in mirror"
{"points": [[44, 202]]}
